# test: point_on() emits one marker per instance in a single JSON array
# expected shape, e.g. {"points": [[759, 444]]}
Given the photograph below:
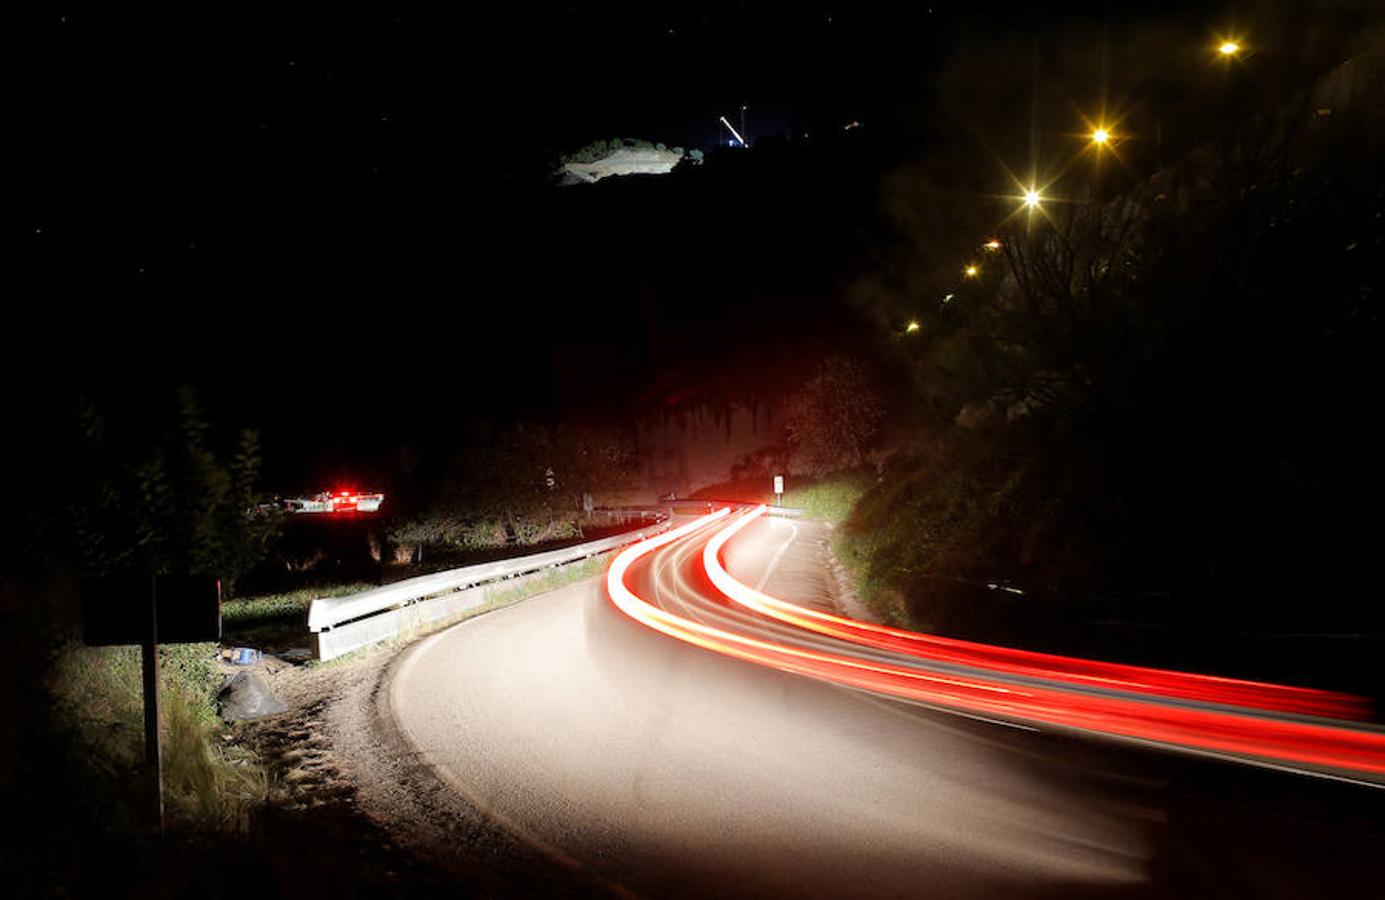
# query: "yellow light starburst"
{"points": [[1030, 196], [1102, 133]]}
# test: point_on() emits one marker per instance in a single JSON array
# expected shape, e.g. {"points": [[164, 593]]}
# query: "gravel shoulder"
{"points": [[352, 795]]}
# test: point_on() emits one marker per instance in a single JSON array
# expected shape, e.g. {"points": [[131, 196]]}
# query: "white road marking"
{"points": [[774, 561]]}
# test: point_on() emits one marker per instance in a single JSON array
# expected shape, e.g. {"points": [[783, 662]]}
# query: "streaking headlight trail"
{"points": [[1009, 660], [1261, 721]]}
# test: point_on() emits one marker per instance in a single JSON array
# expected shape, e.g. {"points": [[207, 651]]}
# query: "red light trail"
{"points": [[1126, 701], [1009, 660]]}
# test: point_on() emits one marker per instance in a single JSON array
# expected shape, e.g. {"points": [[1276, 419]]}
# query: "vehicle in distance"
{"points": [[335, 502]]}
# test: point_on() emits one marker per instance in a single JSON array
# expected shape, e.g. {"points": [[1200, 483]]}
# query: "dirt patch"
{"points": [[314, 806], [346, 782]]}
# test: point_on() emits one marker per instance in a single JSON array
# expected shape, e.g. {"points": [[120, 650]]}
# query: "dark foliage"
{"points": [[1169, 390]]}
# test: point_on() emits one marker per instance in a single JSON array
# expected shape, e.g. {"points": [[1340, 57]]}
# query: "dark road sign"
{"points": [[115, 609], [150, 610]]}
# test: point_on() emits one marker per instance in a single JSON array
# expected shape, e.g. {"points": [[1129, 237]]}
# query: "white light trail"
{"points": [[734, 132]]}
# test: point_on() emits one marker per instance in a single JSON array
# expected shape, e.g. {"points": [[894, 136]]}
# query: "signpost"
{"points": [[778, 490], [147, 610]]}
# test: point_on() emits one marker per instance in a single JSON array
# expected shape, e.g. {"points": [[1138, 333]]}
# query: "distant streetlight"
{"points": [[1229, 48], [992, 246], [971, 270], [911, 327]]}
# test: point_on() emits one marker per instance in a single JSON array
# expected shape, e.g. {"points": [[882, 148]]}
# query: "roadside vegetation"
{"points": [[248, 619], [1149, 406], [832, 498], [512, 488], [209, 783], [170, 495], [167, 497], [176, 497], [828, 445]]}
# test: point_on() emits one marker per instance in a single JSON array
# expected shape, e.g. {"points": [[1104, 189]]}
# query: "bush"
{"points": [[484, 534], [836, 417], [165, 502], [543, 527]]}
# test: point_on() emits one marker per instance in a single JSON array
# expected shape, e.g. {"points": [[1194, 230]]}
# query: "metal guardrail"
{"points": [[330, 612], [343, 624], [702, 506]]}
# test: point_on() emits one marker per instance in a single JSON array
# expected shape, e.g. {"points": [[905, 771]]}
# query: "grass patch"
{"points": [[248, 612], [208, 785], [211, 785], [853, 552], [832, 498], [276, 619]]}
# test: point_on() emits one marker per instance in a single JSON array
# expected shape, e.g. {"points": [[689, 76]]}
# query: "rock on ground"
{"points": [[246, 697]]}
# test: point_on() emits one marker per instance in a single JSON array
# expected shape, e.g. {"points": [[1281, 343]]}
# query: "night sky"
{"points": [[329, 218], [338, 225]]}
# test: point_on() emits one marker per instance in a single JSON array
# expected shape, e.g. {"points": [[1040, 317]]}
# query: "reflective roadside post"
{"points": [[778, 490]]}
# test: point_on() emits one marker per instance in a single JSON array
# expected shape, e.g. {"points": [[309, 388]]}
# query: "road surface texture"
{"points": [[657, 768]]}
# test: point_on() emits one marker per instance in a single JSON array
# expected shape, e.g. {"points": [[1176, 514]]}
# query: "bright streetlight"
{"points": [[1100, 136], [1229, 48], [971, 270], [1031, 199]]}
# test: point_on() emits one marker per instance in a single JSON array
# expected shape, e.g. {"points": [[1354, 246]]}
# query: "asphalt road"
{"points": [[665, 769]]}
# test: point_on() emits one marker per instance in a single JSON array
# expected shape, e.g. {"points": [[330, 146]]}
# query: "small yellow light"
{"points": [[911, 327], [992, 245], [1031, 198], [971, 270], [1229, 48], [1101, 136]]}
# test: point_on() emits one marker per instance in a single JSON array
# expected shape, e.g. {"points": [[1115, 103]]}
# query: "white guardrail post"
{"points": [[343, 624]]}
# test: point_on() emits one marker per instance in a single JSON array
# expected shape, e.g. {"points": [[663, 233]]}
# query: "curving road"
{"points": [[667, 769]]}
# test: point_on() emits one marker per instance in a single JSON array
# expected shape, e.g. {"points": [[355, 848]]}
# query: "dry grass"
{"points": [[209, 785]]}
